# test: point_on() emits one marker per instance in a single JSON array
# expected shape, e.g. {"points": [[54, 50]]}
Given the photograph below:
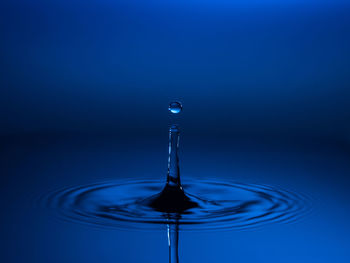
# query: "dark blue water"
{"points": [[37, 166]]}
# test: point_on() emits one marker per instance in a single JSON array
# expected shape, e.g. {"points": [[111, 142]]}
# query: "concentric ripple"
{"points": [[220, 205]]}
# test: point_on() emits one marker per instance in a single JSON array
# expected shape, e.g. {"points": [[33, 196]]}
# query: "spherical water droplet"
{"points": [[175, 107]]}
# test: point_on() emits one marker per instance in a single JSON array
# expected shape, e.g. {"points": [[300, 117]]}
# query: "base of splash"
{"points": [[206, 205]]}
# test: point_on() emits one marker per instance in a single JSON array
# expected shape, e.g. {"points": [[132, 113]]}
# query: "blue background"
{"points": [[83, 98]]}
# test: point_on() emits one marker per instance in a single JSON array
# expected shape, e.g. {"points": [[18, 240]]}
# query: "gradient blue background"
{"points": [[84, 88]]}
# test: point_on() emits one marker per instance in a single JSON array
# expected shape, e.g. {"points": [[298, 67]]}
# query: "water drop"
{"points": [[204, 205], [211, 204], [175, 107]]}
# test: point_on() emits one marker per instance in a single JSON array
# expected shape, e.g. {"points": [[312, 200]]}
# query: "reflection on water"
{"points": [[220, 205], [173, 242]]}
